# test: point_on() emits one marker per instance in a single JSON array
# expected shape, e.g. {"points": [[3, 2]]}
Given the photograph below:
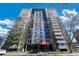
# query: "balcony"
{"points": [[54, 24], [56, 27], [61, 41], [58, 33], [54, 20], [63, 47], [59, 37], [56, 30]]}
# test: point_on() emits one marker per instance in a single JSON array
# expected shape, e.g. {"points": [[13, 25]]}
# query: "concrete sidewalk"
{"points": [[42, 54]]}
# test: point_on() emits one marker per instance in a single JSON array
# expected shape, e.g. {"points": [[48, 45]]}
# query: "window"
{"points": [[47, 35], [46, 26], [40, 32], [35, 32], [35, 36], [40, 29], [40, 36], [46, 30]]}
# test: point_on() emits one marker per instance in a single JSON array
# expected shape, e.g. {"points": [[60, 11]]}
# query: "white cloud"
{"points": [[9, 26], [64, 19], [9, 23], [3, 30], [69, 13], [6, 22]]}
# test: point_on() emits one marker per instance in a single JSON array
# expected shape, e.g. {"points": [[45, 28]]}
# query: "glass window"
{"points": [[35, 36], [46, 26], [47, 35], [40, 32], [40, 36], [46, 30], [40, 29]]}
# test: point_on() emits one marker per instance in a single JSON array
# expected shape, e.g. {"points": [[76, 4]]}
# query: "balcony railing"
{"points": [[61, 41], [63, 47]]}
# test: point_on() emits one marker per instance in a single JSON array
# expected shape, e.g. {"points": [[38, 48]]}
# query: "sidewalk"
{"points": [[42, 54]]}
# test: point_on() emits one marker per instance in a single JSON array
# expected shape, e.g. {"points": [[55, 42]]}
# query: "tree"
{"points": [[72, 25], [16, 38]]}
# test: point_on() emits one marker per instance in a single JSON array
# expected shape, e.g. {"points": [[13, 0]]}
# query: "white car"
{"points": [[2, 52]]}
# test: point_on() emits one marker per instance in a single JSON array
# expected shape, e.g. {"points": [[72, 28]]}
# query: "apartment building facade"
{"points": [[43, 29]]}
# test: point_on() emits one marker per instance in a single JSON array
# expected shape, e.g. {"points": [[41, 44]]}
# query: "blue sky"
{"points": [[11, 10]]}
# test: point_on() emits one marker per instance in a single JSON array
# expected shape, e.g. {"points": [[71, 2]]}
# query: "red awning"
{"points": [[44, 42]]}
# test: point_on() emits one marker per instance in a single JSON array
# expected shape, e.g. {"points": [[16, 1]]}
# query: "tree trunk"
{"points": [[70, 48], [18, 47], [25, 47]]}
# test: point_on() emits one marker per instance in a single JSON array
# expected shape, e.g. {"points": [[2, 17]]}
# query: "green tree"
{"points": [[16, 38]]}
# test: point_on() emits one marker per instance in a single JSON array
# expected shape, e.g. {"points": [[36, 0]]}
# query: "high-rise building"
{"points": [[43, 29]]}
